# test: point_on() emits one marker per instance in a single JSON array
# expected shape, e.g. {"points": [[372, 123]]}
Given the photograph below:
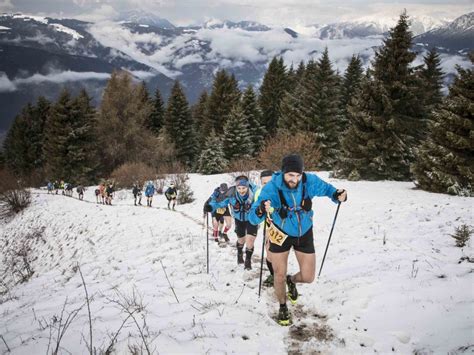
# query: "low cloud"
{"points": [[111, 34], [7, 85], [6, 5], [449, 62]]}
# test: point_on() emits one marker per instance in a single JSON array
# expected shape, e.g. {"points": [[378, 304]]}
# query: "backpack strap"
{"points": [[306, 203]]}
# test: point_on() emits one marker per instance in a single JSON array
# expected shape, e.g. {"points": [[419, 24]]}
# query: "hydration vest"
{"points": [[305, 205]]}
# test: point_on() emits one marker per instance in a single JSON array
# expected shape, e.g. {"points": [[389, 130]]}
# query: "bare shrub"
{"points": [[243, 165], [131, 306], [462, 234], [284, 143], [126, 174], [14, 201], [13, 195], [18, 257], [59, 325], [173, 167]]}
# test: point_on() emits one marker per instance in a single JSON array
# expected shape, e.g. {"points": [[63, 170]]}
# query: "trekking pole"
{"points": [[263, 253], [207, 239], [329, 241]]}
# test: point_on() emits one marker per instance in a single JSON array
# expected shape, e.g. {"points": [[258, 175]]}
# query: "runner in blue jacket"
{"points": [[286, 200], [149, 192], [240, 198]]}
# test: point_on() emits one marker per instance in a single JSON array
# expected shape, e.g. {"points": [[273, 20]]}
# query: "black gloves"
{"points": [[207, 208], [260, 211], [338, 193]]}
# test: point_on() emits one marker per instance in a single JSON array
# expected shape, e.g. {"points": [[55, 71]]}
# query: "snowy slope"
{"points": [[391, 280]]}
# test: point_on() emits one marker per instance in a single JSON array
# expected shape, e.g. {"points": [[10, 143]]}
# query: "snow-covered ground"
{"points": [[392, 281]]}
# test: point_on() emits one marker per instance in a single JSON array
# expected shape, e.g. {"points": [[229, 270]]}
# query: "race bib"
{"points": [[220, 210], [275, 235]]}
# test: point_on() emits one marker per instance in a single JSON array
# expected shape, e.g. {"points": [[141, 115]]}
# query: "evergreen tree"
{"points": [[224, 96], [272, 92], [328, 119], [315, 107], [82, 156], [58, 132], [252, 116], [200, 117], [371, 149], [300, 71], [237, 141], [16, 144], [291, 78], [445, 160], [24, 146], [351, 84], [433, 75], [180, 126], [121, 118], [294, 107], [156, 118], [392, 67], [212, 160]]}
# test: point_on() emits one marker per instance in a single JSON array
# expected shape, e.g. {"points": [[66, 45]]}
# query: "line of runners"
{"points": [[284, 203], [104, 193]]}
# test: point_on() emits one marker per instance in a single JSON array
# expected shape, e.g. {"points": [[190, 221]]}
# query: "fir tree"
{"points": [[156, 118], [300, 71], [252, 116], [432, 75], [315, 107], [351, 84], [212, 160], [392, 67], [272, 92], [328, 120], [294, 107], [371, 149], [16, 144], [224, 96], [82, 157], [444, 161], [180, 126], [200, 117], [58, 132], [237, 143], [292, 78], [24, 146]]}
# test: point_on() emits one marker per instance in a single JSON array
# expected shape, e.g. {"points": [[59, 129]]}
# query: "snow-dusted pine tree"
{"points": [[212, 160], [237, 141], [444, 162]]}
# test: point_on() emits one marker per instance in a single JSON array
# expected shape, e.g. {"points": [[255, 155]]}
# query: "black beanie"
{"points": [[292, 163], [266, 173]]}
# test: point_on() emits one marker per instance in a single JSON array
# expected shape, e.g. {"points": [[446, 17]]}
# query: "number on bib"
{"points": [[275, 235]]}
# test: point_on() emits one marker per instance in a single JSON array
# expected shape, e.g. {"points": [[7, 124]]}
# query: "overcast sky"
{"points": [[270, 12]]}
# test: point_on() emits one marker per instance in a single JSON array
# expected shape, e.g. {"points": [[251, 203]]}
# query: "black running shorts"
{"points": [[304, 244], [245, 228], [220, 216]]}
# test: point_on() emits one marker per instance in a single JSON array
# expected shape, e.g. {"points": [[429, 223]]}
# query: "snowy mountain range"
{"points": [[41, 55]]}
